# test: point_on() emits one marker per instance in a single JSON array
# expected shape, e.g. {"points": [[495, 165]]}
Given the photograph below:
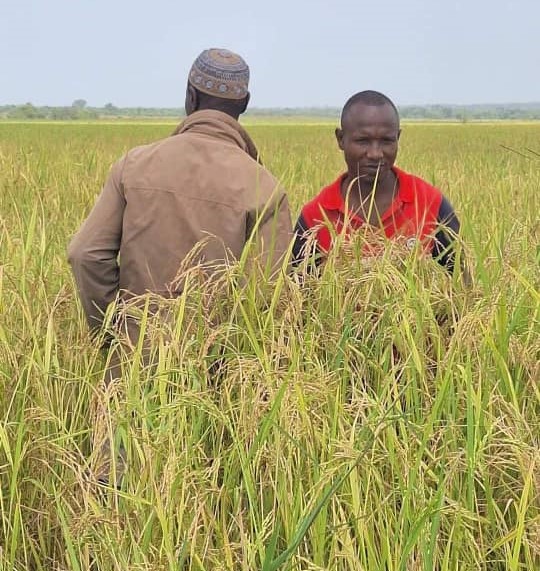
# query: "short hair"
{"points": [[368, 97], [229, 106]]}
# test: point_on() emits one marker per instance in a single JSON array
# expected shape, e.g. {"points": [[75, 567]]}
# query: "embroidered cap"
{"points": [[220, 73]]}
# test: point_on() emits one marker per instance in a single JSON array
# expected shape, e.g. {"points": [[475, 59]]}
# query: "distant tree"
{"points": [[26, 111], [64, 113], [110, 108], [80, 111]]}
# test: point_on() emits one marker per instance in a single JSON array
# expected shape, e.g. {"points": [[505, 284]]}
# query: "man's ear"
{"points": [[246, 102], [192, 100], [339, 137], [398, 134]]}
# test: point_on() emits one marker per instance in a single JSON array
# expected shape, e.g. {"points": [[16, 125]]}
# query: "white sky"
{"points": [[301, 53]]}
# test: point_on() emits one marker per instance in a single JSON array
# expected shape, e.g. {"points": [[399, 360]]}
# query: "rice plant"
{"points": [[378, 416]]}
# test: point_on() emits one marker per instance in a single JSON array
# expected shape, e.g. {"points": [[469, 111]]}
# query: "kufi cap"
{"points": [[220, 73]]}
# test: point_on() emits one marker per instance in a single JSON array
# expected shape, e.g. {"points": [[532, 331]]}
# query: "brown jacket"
{"points": [[160, 200]]}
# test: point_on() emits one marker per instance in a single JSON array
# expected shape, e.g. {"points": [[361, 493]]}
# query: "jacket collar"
{"points": [[221, 126]]}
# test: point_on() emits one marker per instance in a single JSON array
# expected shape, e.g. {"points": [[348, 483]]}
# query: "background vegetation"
{"points": [[80, 110]]}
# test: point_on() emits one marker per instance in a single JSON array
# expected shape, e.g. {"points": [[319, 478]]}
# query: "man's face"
{"points": [[369, 138]]}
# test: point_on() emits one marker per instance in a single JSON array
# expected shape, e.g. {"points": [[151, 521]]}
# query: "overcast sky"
{"points": [[301, 52]]}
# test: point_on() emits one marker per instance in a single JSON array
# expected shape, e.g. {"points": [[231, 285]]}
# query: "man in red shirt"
{"points": [[374, 192]]}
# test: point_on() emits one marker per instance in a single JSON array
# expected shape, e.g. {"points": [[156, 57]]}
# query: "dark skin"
{"points": [[369, 137], [197, 101]]}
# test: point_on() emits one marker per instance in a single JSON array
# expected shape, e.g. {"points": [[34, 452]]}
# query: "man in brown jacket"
{"points": [[204, 183]]}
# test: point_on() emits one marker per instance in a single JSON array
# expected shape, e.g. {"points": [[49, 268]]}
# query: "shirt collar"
{"points": [[331, 198]]}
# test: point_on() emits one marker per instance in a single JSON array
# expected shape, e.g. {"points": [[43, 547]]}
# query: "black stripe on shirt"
{"points": [[444, 242]]}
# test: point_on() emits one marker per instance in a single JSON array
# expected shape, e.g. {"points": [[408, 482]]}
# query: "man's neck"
{"points": [[369, 200], [363, 189], [225, 110], [382, 186]]}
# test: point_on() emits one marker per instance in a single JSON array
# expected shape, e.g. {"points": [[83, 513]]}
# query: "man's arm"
{"points": [[300, 241], [445, 239], [272, 231], [305, 247], [93, 251]]}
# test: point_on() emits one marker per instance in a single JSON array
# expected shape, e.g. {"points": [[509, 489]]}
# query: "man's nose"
{"points": [[375, 151]]}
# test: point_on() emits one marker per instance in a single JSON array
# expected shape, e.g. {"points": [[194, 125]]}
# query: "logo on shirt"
{"points": [[411, 243]]}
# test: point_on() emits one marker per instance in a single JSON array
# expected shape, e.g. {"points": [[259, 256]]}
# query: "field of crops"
{"points": [[380, 417]]}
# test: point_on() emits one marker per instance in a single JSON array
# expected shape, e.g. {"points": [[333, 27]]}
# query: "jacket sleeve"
{"points": [[93, 251], [271, 231]]}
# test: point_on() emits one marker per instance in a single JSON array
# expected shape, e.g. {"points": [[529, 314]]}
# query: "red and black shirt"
{"points": [[419, 212]]}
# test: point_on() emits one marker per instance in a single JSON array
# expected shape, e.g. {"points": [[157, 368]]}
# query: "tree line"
{"points": [[79, 110]]}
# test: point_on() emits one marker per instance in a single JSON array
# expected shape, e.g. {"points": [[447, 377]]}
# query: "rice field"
{"points": [[379, 417]]}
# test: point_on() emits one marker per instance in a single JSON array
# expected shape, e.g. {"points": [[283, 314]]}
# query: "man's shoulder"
{"points": [[326, 199], [415, 181], [137, 155], [142, 151], [180, 149], [417, 188]]}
